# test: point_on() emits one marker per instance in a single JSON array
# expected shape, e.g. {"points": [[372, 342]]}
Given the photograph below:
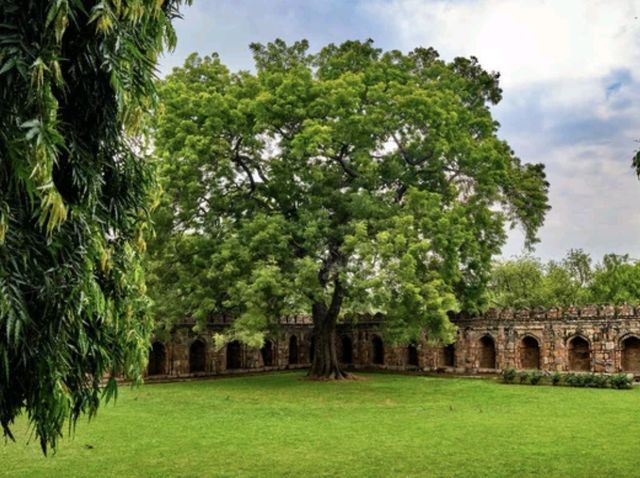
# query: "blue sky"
{"points": [[570, 71]]}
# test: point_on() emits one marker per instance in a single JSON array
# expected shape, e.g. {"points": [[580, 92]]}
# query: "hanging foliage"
{"points": [[76, 79]]}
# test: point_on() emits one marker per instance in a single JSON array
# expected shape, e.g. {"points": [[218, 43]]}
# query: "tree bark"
{"points": [[325, 365]]}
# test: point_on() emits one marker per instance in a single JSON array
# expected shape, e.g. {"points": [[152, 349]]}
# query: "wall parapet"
{"points": [[591, 311]]}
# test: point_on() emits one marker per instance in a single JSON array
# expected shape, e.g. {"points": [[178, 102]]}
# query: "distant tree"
{"points": [[559, 287], [75, 82], [526, 282], [616, 281], [578, 265], [566, 283], [517, 283], [339, 184]]}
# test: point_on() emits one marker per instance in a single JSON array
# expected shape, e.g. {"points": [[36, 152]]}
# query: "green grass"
{"points": [[384, 425]]}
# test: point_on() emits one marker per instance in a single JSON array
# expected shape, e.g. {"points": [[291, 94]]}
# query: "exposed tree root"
{"points": [[338, 375]]}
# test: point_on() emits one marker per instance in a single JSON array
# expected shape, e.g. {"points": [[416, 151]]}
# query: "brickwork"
{"points": [[592, 338]]}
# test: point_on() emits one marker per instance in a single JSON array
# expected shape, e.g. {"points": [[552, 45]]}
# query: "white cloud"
{"points": [[527, 41], [595, 197]]}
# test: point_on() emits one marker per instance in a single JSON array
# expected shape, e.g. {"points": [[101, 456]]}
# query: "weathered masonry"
{"points": [[591, 338]]}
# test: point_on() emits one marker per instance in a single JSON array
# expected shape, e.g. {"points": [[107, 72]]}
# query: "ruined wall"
{"points": [[591, 338], [181, 356]]}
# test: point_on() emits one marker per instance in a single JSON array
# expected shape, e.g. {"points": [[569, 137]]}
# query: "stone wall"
{"points": [[592, 338]]}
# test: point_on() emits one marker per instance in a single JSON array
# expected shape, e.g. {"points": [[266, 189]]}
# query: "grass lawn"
{"points": [[383, 425]]}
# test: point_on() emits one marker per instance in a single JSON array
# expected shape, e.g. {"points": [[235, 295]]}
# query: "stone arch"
{"points": [[579, 354], [487, 352], [630, 350], [377, 350], [157, 359], [267, 353], [449, 355], [234, 355], [312, 348], [412, 356], [530, 352], [346, 349], [197, 356], [293, 350]]}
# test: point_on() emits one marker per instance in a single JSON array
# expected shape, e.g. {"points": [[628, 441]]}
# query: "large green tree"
{"points": [[338, 184], [76, 78]]}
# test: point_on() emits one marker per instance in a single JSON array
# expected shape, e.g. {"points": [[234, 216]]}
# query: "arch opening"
{"points": [[346, 349], [487, 354], [631, 354], [293, 350], [267, 353], [234, 355], [449, 355], [157, 359], [579, 355], [312, 348], [197, 356], [377, 350], [412, 355], [530, 353]]}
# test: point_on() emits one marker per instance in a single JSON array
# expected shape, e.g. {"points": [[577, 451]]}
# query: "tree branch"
{"points": [[400, 192], [407, 157], [344, 150], [240, 159]]}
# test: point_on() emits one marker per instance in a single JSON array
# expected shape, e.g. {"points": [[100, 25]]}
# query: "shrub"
{"points": [[589, 380], [620, 381], [535, 378], [571, 379], [600, 381], [509, 375], [582, 380], [593, 380]]}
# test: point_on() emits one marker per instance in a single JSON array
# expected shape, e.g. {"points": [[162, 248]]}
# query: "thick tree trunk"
{"points": [[325, 365]]}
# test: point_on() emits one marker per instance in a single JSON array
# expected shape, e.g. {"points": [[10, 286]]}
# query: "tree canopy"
{"points": [[76, 78], [344, 183]]}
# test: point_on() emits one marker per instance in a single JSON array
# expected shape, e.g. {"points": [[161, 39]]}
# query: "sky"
{"points": [[570, 74]]}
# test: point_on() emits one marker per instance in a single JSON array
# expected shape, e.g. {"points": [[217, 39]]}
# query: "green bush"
{"points": [[571, 379], [600, 381], [588, 380], [535, 378], [583, 380], [621, 381], [509, 375], [591, 380]]}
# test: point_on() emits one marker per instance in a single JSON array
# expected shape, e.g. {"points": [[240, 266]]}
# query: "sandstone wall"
{"points": [[592, 338]]}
